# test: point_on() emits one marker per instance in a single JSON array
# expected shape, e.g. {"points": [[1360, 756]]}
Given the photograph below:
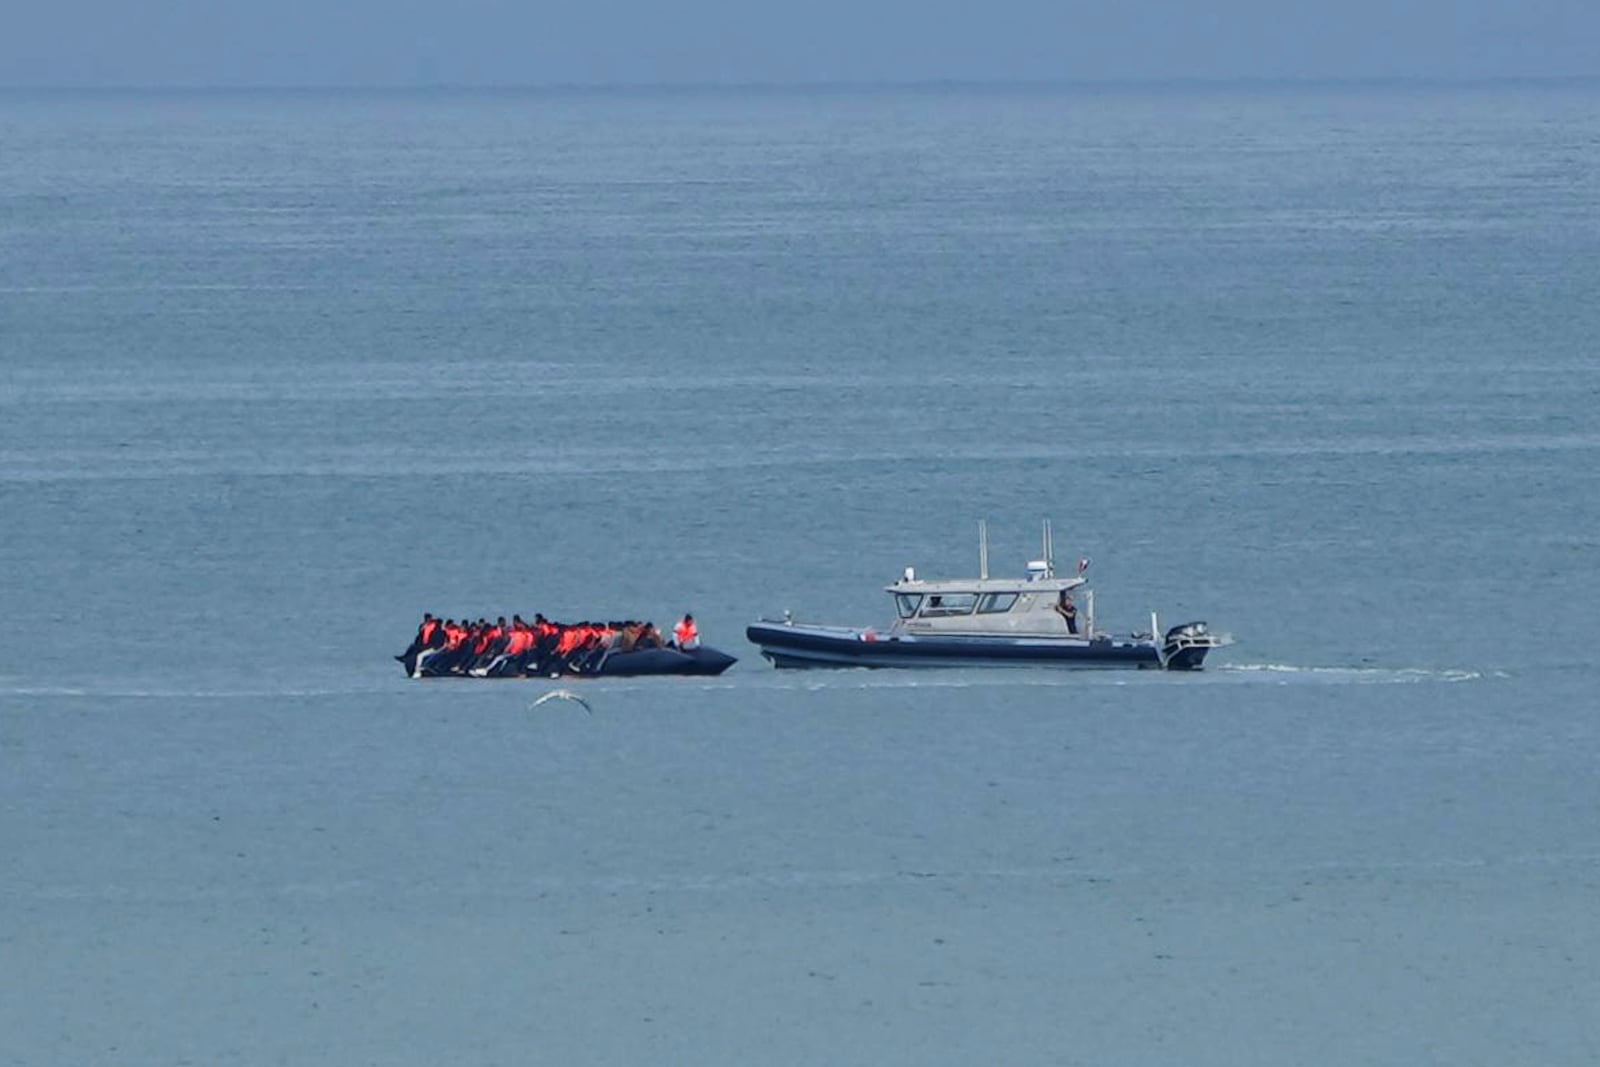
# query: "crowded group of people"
{"points": [[502, 649]]}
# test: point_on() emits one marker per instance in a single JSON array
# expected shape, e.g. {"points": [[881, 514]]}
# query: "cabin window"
{"points": [[940, 605], [995, 603], [906, 604]]}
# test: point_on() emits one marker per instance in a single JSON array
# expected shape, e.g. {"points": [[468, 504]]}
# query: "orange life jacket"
{"points": [[686, 632]]}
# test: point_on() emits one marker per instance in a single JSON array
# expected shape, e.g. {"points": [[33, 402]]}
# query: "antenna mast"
{"points": [[1049, 552], [983, 549]]}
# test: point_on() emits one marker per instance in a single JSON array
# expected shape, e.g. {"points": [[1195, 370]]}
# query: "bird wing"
{"points": [[564, 694]]}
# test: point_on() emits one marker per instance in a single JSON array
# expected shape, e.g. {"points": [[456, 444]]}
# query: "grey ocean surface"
{"points": [[278, 372]]}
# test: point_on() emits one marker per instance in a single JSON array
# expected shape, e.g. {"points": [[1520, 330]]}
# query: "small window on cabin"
{"points": [[995, 603], [906, 604], [950, 604]]}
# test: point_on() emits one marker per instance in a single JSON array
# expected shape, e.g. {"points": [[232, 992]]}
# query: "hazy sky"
{"points": [[501, 42]]}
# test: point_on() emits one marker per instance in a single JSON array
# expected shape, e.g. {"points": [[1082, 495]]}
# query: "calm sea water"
{"points": [[279, 372]]}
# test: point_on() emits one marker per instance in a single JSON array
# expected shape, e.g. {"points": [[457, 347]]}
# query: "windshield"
{"points": [[994, 603], [949, 604]]}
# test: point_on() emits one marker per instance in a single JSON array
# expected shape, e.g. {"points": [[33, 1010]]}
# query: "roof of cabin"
{"points": [[987, 585]]}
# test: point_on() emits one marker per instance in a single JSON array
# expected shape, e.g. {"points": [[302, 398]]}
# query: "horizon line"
{"points": [[1418, 81]]}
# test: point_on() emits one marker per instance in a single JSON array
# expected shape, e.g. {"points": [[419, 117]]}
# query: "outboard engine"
{"points": [[1184, 647]]}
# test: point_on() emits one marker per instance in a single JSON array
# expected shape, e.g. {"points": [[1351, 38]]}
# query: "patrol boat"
{"points": [[1032, 621]]}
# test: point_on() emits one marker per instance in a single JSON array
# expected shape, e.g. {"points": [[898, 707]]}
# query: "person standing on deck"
{"points": [[687, 634], [1068, 611]]}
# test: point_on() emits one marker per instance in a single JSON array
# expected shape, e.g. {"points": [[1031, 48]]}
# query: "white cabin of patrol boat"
{"points": [[1035, 604]]}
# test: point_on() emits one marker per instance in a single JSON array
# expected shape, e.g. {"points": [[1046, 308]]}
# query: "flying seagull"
{"points": [[562, 694]]}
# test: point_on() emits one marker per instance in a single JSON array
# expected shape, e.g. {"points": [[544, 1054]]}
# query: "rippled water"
{"points": [[278, 373]]}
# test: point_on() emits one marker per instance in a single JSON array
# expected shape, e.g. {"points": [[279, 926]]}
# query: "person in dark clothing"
{"points": [[435, 658], [1068, 611], [426, 634]]}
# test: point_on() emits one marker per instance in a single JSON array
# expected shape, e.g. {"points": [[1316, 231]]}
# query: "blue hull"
{"points": [[818, 646], [704, 661]]}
